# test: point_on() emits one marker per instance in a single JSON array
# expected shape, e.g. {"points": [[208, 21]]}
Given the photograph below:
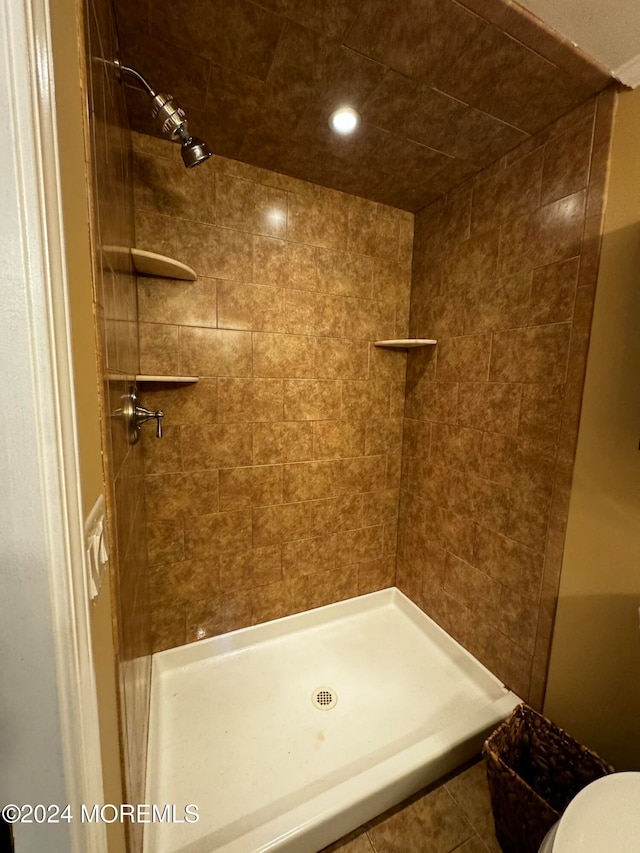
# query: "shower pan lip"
{"points": [[368, 786]]}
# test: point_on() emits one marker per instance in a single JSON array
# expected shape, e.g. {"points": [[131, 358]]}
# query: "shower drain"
{"points": [[324, 698]]}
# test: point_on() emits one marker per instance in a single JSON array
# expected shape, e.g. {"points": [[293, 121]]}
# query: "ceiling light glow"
{"points": [[344, 120]]}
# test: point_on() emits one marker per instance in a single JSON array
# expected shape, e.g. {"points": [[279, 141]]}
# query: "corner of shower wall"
{"points": [[504, 275], [115, 298]]}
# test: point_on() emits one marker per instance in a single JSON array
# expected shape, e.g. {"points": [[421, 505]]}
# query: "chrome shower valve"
{"points": [[134, 416]]}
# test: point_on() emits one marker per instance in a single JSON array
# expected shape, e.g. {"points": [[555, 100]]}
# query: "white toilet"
{"points": [[603, 818]]}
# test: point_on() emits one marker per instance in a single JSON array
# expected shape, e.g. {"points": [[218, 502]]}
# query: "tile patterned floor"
{"points": [[453, 815]]}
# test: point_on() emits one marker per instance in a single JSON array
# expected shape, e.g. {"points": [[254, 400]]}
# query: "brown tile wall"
{"points": [[276, 485], [112, 226], [444, 88], [504, 274]]}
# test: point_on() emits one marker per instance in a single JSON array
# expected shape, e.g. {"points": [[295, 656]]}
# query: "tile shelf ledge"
{"points": [[160, 266], [406, 343], [176, 380]]}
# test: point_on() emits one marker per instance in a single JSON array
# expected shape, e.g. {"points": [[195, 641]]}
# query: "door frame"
{"points": [[49, 731]]}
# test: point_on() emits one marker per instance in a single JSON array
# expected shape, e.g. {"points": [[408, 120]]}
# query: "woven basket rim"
{"points": [[523, 710]]}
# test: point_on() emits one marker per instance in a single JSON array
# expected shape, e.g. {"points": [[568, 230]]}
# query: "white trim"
{"points": [[629, 72], [70, 603], [47, 578]]}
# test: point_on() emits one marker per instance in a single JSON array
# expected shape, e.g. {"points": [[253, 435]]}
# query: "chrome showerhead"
{"points": [[172, 120], [194, 151]]}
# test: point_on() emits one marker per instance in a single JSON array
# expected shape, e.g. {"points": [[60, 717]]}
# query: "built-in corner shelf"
{"points": [[176, 380], [406, 343], [150, 263]]}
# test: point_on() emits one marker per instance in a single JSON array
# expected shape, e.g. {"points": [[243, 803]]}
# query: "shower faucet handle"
{"points": [[133, 416], [143, 415]]}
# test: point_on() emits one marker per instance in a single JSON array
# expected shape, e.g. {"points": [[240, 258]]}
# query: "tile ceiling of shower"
{"points": [[444, 87]]}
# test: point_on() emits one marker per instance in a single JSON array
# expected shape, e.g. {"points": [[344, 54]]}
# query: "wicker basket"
{"points": [[534, 770]]}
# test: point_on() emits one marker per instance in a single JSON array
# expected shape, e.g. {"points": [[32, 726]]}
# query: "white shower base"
{"points": [[233, 728]]}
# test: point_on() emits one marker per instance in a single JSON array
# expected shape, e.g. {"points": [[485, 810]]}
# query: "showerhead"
{"points": [[194, 151], [172, 120]]}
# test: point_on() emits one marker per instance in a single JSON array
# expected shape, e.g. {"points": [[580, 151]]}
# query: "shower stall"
{"points": [[365, 357]]}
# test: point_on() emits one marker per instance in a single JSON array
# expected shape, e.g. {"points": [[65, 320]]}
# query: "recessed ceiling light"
{"points": [[344, 120]]}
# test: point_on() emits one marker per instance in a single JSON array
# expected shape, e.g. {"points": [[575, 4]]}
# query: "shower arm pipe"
{"points": [[126, 69], [166, 110], [168, 114]]}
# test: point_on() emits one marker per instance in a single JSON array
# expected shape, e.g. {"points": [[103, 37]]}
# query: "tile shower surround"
{"points": [[504, 275], [276, 485], [112, 224], [444, 87]]}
